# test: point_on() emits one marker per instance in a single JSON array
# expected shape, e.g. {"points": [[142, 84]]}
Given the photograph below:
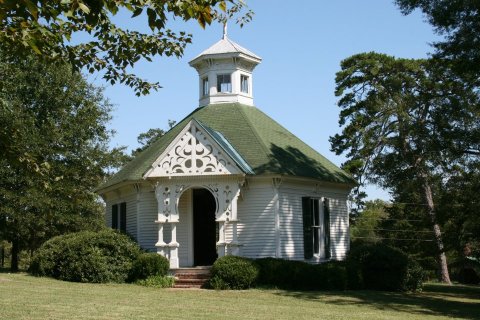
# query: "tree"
{"points": [[145, 139], [459, 203], [406, 122], [365, 225], [50, 115], [47, 27], [459, 22]]}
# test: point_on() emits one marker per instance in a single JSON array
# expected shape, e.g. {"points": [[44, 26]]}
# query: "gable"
{"points": [[194, 151]]}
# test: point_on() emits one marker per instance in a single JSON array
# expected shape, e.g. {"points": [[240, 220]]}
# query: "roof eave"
{"points": [[227, 55], [103, 190]]}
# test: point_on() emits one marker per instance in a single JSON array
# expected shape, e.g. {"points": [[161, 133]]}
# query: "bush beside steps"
{"points": [[100, 257]]}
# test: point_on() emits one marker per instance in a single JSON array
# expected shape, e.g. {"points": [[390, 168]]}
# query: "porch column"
{"points": [[161, 245], [221, 239], [173, 245], [234, 246]]}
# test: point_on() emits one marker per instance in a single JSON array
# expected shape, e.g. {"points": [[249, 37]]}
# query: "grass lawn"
{"points": [[26, 297]]}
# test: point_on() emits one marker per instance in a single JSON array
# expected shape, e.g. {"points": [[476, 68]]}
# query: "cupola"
{"points": [[225, 73]]}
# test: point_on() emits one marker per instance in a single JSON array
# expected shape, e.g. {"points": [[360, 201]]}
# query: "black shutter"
{"points": [[326, 221], [307, 227], [123, 217], [115, 216]]}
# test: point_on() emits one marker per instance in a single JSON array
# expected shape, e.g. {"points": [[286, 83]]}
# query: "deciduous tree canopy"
{"points": [[46, 27], [56, 122]]}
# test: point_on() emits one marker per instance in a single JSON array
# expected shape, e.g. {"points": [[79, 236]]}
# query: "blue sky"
{"points": [[302, 44]]}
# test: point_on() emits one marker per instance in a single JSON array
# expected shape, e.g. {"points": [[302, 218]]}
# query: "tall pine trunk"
{"points": [[14, 255], [442, 258]]}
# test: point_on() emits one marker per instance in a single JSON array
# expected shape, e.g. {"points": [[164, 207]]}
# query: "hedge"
{"points": [[384, 268], [298, 275]]}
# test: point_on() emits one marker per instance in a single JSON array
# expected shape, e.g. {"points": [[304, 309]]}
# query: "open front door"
{"points": [[204, 228]]}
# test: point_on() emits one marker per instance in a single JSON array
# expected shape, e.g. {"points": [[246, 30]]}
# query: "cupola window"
{"points": [[205, 87], [224, 83], [244, 83]]}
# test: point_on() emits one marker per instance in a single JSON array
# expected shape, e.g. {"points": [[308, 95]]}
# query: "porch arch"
{"points": [[168, 194]]}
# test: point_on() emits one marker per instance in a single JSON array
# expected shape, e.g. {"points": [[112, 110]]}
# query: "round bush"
{"points": [[380, 267], [414, 278], [232, 272], [104, 256], [148, 265]]}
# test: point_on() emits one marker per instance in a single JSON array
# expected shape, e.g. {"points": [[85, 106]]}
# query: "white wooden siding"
{"points": [[291, 223], [184, 229], [147, 228], [339, 228], [131, 201], [291, 220], [256, 226]]}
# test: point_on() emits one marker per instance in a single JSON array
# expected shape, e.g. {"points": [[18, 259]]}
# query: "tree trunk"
{"points": [[442, 258], [3, 255], [14, 257]]}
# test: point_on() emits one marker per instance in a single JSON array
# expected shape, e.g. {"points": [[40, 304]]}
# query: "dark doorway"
{"points": [[204, 228]]}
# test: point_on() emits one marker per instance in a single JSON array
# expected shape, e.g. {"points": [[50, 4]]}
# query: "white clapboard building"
{"points": [[229, 180]]}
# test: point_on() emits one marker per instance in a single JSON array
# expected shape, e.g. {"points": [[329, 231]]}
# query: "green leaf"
{"points": [[83, 7], [137, 12], [223, 6], [151, 18], [32, 45], [32, 8]]}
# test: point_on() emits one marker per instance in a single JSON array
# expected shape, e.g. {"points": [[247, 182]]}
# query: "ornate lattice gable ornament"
{"points": [[193, 152]]}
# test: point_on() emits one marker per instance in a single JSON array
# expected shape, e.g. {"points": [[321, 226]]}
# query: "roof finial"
{"points": [[225, 30]]}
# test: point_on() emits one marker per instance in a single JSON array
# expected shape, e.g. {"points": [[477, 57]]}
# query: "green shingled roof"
{"points": [[265, 145]]}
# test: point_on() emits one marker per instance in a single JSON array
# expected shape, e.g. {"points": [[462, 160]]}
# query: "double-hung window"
{"points": [[244, 83], [205, 87], [119, 216], [316, 227], [224, 83]]}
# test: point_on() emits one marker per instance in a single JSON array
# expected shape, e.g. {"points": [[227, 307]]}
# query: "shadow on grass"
{"points": [[452, 301]]}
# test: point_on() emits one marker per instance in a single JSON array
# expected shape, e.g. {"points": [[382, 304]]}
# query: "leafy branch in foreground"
{"points": [[46, 27]]}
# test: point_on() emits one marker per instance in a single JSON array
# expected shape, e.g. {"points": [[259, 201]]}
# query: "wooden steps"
{"points": [[195, 277]]}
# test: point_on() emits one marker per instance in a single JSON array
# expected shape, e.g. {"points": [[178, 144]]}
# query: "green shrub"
{"points": [[298, 275], [104, 256], [279, 273], [147, 265], [380, 267], [157, 281], [330, 276], [232, 272], [414, 278]]}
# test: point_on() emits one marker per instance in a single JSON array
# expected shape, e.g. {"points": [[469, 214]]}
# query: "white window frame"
{"points": [[247, 82], [205, 87], [219, 84], [318, 227]]}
